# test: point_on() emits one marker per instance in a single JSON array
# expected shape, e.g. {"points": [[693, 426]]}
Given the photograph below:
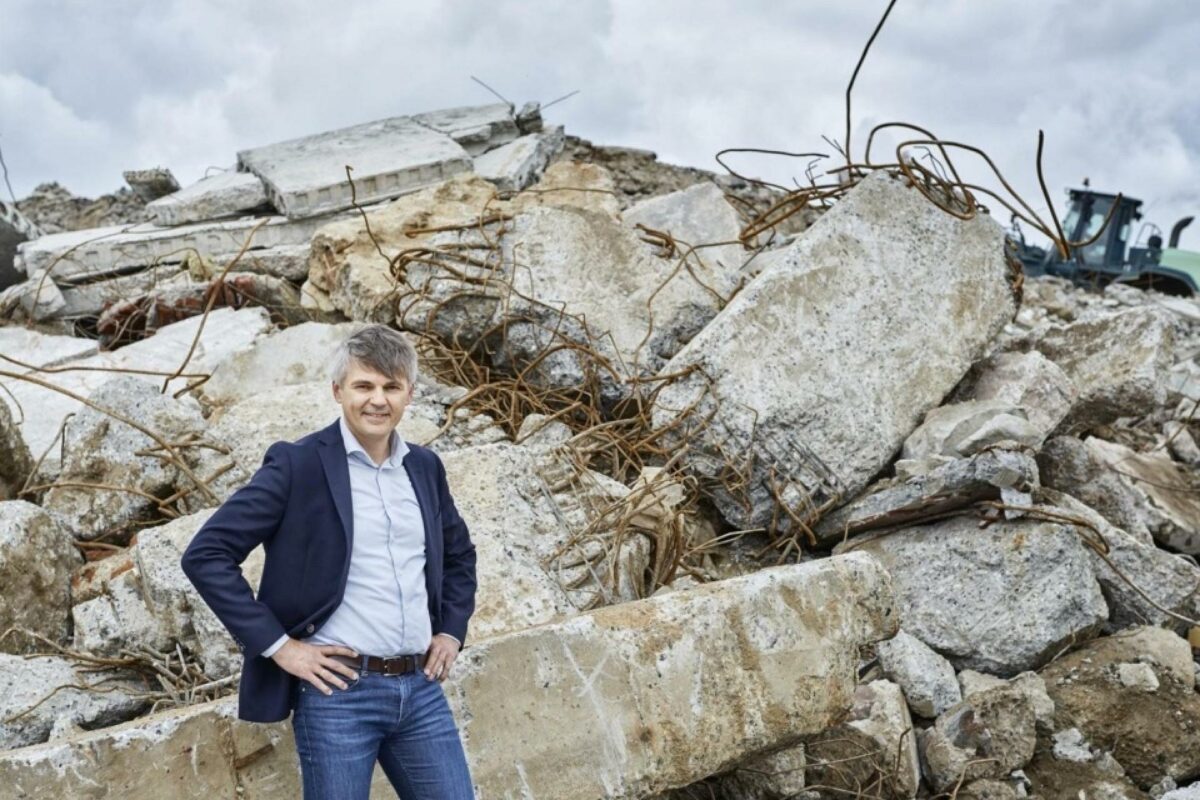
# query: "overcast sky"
{"points": [[89, 89]]}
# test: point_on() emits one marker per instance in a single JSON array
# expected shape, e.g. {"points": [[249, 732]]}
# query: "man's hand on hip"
{"points": [[440, 657], [313, 663]]}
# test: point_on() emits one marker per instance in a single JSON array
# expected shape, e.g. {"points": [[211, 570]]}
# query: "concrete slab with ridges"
{"points": [[306, 177], [96, 252], [477, 128]]}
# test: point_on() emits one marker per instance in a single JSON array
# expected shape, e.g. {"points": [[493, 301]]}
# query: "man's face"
{"points": [[372, 402]]}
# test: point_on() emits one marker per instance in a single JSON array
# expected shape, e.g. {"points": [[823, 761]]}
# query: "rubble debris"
{"points": [[567, 184], [1030, 683], [54, 209], [518, 164], [644, 697], [926, 678], [41, 696], [1152, 733], [225, 194], [226, 332], [805, 322], [36, 559], [109, 614], [16, 462], [774, 776], [958, 483], [1000, 600], [151, 184]]}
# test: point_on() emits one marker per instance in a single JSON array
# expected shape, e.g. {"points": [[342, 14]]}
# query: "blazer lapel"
{"points": [[337, 473]]}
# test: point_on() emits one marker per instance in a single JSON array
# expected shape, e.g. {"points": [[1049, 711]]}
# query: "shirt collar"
{"points": [[398, 447]]}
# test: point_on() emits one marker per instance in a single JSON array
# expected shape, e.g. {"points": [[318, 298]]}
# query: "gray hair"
{"points": [[377, 347]]}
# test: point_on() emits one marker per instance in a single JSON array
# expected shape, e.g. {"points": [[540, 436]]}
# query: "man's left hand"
{"points": [[440, 657]]}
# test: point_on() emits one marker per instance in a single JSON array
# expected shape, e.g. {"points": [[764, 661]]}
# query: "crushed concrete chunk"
{"points": [[697, 215], [926, 678], [1029, 381], [816, 386], [223, 195], [963, 429], [151, 184]]}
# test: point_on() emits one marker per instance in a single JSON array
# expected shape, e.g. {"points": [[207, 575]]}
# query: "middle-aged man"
{"points": [[366, 590]]}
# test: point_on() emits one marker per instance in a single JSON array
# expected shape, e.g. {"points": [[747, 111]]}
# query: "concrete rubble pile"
{"points": [[915, 525]]}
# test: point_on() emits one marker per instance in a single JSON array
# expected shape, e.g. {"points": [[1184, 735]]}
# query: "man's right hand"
{"points": [[313, 663]]}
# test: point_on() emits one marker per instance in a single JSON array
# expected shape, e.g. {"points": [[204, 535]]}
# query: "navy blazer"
{"points": [[298, 507]]}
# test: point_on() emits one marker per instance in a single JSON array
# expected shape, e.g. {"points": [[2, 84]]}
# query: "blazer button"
{"points": [[311, 627]]}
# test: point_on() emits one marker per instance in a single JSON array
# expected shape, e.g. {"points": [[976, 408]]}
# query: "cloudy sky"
{"points": [[90, 89]]}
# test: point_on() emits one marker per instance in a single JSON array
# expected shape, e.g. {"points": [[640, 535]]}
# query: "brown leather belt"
{"points": [[397, 665]]}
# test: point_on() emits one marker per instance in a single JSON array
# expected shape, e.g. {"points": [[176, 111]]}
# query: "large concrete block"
{"points": [[824, 363], [516, 165], [15, 228], [306, 177], [223, 195], [618, 703], [1000, 600]]}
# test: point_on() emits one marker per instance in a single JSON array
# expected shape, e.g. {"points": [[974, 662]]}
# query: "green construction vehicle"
{"points": [[1110, 258]]}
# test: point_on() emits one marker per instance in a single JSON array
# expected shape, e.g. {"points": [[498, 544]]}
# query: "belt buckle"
{"points": [[394, 665]]}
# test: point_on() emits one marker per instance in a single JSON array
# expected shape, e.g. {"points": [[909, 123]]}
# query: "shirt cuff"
{"points": [[457, 641], [280, 642]]}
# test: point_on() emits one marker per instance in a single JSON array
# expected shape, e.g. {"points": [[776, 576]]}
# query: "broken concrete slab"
{"points": [[114, 616], [39, 297], [1030, 381], [989, 475], [225, 194], [1002, 600], [479, 129], [81, 256], [926, 678], [809, 379], [306, 177], [1119, 362], [648, 722], [37, 555], [42, 349], [90, 299], [38, 692], [151, 184], [298, 354], [1153, 734], [520, 163], [1167, 493], [697, 215]]}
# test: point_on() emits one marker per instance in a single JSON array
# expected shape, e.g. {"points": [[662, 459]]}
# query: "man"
{"points": [[366, 590]]}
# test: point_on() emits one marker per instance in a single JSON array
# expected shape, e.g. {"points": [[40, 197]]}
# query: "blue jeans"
{"points": [[404, 721]]}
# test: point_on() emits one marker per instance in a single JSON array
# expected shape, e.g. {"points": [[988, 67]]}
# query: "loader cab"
{"points": [[1086, 215]]}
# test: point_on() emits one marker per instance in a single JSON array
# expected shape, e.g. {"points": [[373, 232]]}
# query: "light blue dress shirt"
{"points": [[385, 609]]}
